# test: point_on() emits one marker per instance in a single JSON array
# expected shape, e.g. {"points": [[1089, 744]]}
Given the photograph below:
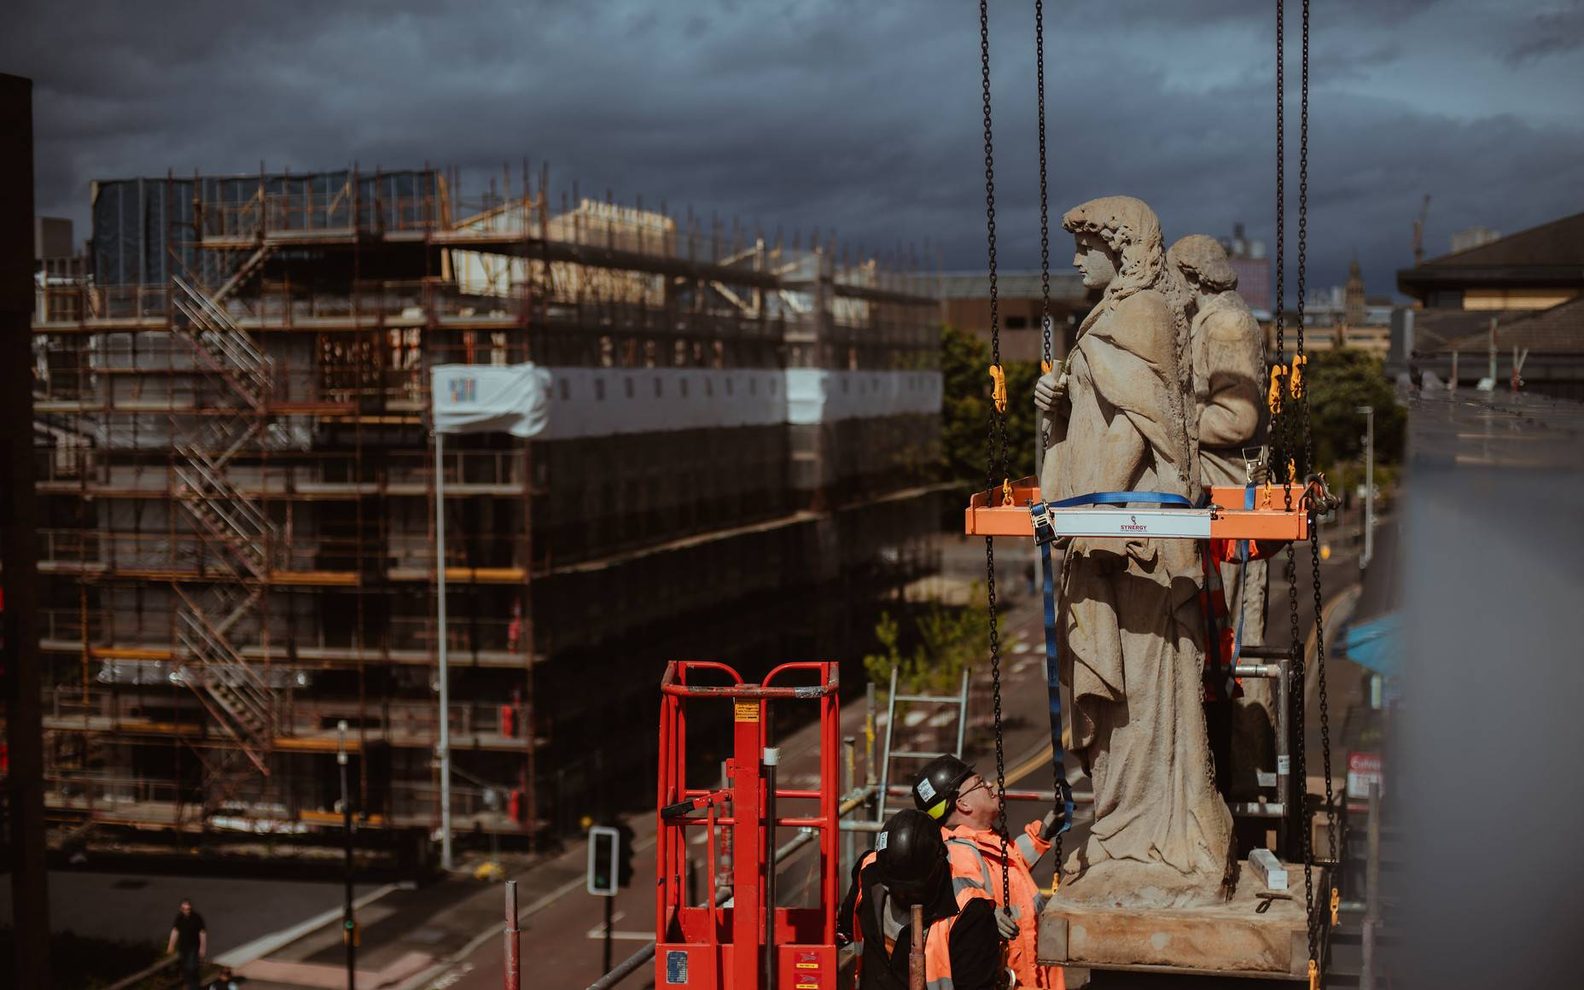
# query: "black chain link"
{"points": [[997, 452], [1332, 836], [1292, 437], [1278, 447], [1047, 352]]}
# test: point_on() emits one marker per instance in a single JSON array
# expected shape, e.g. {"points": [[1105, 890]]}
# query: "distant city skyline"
{"points": [[818, 115]]}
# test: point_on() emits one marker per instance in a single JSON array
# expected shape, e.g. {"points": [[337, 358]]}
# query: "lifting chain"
{"points": [[1047, 352], [996, 445], [1292, 457], [1332, 838], [1047, 363]]}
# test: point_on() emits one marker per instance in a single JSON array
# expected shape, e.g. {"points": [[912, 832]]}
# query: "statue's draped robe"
{"points": [[1229, 390], [1131, 635]]}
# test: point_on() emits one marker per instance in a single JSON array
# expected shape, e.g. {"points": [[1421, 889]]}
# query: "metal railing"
{"points": [[229, 349]]}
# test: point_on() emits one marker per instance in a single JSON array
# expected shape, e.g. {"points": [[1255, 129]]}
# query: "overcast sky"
{"points": [[858, 116]]}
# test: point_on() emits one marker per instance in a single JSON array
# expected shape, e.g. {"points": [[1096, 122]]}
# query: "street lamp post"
{"points": [[1369, 485], [348, 923]]}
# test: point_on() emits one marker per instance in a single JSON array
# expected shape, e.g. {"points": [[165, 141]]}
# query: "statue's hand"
{"points": [[1050, 391]]}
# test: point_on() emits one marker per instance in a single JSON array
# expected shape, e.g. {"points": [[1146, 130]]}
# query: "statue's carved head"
{"points": [[1130, 235], [1203, 262]]}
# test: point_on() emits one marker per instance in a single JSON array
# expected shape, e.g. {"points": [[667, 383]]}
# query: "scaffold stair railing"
{"points": [[249, 267], [224, 511], [222, 605], [233, 691], [225, 347]]}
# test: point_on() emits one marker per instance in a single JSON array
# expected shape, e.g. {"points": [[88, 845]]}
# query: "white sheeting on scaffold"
{"points": [[482, 398], [593, 402], [569, 403]]}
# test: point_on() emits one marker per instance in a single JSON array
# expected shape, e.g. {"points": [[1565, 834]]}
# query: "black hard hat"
{"points": [[937, 785], [911, 856]]}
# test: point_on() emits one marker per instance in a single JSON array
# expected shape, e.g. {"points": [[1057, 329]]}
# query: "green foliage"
{"points": [[930, 656], [1339, 382], [965, 409]]}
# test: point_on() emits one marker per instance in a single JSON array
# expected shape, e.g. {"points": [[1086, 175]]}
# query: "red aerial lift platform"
{"points": [[725, 942]]}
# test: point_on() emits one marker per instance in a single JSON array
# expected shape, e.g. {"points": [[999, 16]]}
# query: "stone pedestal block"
{"points": [[1231, 938]]}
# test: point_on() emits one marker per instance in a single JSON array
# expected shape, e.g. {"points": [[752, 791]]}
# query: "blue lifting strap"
{"points": [[1044, 535], [1124, 498], [1053, 675]]}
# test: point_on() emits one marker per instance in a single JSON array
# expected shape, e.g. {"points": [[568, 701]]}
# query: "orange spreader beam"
{"points": [[1225, 518]]}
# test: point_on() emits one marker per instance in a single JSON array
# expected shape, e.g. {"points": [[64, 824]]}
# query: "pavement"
{"points": [[236, 911], [449, 934]]}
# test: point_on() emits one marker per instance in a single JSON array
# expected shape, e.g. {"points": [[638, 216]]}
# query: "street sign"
{"points": [[1363, 769], [604, 855]]}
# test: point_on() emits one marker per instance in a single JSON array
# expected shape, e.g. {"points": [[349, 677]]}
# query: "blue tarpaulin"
{"points": [[1376, 644]]}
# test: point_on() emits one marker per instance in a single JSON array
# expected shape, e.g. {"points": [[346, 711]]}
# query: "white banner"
{"points": [[483, 398]]}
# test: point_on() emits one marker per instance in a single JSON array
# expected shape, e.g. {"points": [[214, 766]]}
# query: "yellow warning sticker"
{"points": [[812, 965], [746, 711]]}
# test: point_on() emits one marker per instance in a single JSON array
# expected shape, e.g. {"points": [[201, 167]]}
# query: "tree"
{"points": [[965, 410], [1339, 382], [944, 639]]}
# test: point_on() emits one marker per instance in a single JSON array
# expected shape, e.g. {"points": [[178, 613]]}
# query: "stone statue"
{"points": [[1120, 418], [1228, 374], [1228, 352]]}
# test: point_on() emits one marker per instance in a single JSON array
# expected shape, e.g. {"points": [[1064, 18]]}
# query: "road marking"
{"points": [[266, 944], [452, 977], [617, 935]]}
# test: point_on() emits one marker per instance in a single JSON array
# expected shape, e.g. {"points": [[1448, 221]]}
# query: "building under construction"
{"points": [[237, 477]]}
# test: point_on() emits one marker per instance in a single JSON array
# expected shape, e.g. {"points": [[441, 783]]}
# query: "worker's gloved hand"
{"points": [[1006, 923], [1050, 391], [1051, 825]]}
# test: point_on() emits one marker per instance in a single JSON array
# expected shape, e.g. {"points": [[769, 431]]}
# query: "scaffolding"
{"points": [[235, 473]]}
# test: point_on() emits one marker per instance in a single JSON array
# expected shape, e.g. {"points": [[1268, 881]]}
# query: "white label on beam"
{"points": [[1134, 524]]}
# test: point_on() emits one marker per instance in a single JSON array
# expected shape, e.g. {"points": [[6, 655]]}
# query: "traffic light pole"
{"points": [[604, 875], [348, 923], [513, 979], [610, 906]]}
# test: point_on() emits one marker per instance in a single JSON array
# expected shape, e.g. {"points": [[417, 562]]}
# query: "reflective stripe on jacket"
{"points": [[883, 970], [975, 856]]}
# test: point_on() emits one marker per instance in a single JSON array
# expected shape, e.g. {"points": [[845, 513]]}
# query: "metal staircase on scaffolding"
{"points": [[235, 693]]}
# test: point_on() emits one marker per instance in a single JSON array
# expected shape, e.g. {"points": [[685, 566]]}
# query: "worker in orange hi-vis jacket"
{"points": [[959, 943], [966, 806]]}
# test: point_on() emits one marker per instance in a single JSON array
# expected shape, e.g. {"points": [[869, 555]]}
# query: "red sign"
{"points": [[1363, 770]]}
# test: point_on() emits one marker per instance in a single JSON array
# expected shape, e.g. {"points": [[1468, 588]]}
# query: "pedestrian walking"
{"points": [[189, 939]]}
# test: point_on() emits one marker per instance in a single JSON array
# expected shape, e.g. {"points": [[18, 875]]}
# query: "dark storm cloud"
{"points": [[864, 118], [1549, 32]]}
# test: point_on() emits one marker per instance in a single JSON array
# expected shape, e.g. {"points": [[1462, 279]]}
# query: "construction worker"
{"points": [[965, 806], [908, 866]]}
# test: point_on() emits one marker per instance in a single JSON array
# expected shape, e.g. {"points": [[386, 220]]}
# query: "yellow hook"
{"points": [[998, 390]]}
